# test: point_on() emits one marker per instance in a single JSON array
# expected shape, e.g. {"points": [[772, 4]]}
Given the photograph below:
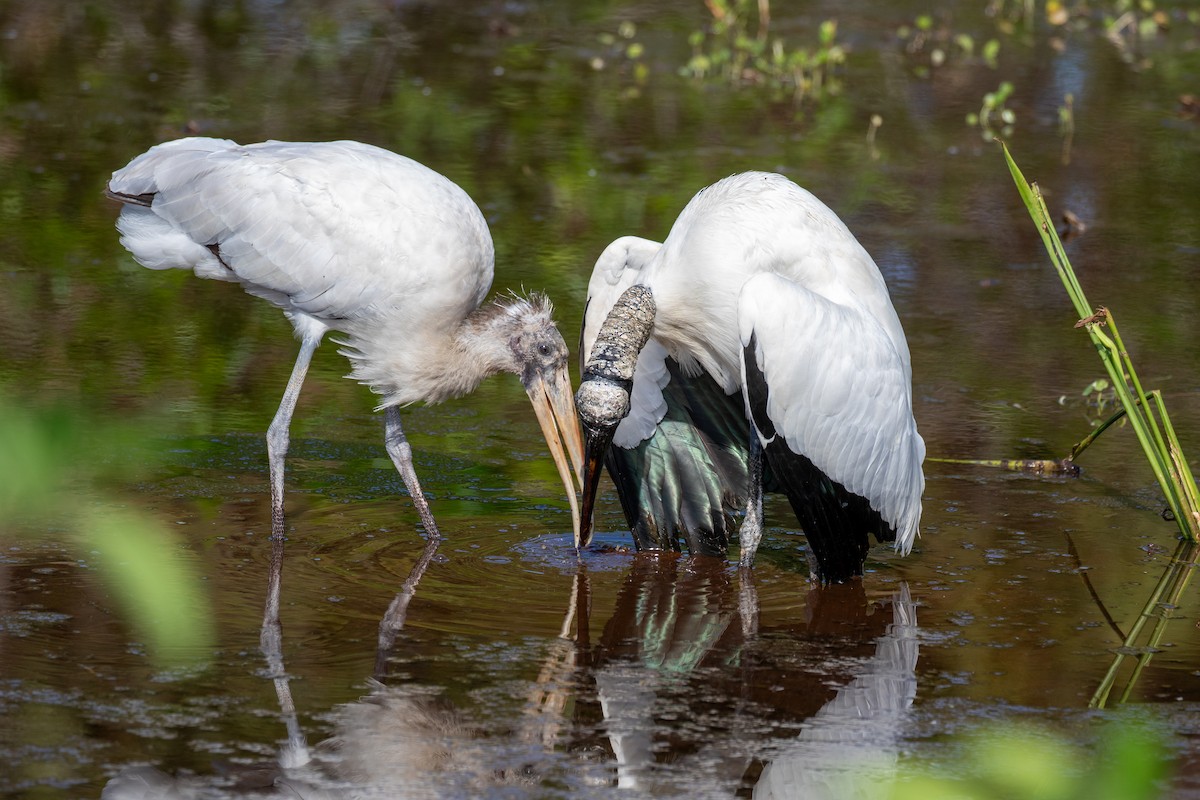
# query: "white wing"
{"points": [[329, 229], [839, 393]]}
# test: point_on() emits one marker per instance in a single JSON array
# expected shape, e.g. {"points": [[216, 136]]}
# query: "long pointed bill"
{"points": [[596, 442], [554, 406]]}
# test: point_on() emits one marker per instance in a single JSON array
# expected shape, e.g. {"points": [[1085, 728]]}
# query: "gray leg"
{"points": [[752, 526], [271, 638], [278, 434], [401, 453]]}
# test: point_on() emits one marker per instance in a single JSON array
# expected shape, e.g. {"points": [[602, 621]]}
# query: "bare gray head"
{"points": [[524, 340], [517, 334], [512, 334]]}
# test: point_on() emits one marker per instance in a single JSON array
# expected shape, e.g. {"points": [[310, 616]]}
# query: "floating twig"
{"points": [[1036, 466]]}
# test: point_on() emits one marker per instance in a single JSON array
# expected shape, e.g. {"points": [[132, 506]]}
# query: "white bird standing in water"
{"points": [[352, 238], [756, 347]]}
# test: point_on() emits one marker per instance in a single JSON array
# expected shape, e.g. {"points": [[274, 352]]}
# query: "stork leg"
{"points": [[401, 453], [278, 435], [271, 637], [751, 531]]}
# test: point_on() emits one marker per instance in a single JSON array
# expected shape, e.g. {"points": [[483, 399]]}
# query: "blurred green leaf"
{"points": [[51, 460], [159, 589], [1035, 763]]}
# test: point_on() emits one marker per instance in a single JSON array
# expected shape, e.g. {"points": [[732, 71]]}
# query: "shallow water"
{"points": [[519, 669]]}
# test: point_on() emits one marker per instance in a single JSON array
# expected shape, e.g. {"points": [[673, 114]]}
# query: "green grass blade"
{"points": [[1162, 452]]}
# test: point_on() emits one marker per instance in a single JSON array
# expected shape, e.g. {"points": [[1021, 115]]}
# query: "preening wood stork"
{"points": [[756, 347], [352, 238]]}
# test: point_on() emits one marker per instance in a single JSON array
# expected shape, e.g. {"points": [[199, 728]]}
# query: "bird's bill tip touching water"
{"points": [[554, 405], [595, 447]]}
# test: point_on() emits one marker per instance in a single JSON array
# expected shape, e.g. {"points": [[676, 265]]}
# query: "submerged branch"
{"points": [[1035, 466]]}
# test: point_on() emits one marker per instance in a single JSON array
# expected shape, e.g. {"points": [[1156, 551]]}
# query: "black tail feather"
{"points": [[130, 199]]}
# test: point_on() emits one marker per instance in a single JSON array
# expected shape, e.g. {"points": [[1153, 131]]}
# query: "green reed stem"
{"points": [[1086, 442], [1162, 452]]}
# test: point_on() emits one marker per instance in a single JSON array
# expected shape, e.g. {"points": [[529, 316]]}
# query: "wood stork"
{"points": [[755, 348], [352, 238]]}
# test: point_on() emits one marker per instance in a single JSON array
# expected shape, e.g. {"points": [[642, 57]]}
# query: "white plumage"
{"points": [[758, 282], [349, 237], [840, 394]]}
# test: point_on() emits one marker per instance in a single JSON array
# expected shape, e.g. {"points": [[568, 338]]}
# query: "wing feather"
{"points": [[838, 393], [680, 486], [330, 229]]}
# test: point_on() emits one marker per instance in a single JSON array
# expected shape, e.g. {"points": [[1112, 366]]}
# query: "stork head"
{"points": [[537, 353], [603, 396]]}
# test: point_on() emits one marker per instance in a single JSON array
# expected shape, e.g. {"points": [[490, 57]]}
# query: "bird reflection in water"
{"points": [[691, 695], [678, 696]]}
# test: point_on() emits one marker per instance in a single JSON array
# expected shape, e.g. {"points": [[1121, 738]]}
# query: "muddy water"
{"points": [[520, 670]]}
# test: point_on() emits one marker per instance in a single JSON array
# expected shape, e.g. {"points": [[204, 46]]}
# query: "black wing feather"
{"points": [[680, 487]]}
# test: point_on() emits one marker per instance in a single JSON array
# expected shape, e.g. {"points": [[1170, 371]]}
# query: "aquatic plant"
{"points": [[1099, 395], [624, 49], [1129, 24], [993, 113], [936, 44], [729, 52], [876, 122], [1146, 411], [1066, 125], [1147, 415]]}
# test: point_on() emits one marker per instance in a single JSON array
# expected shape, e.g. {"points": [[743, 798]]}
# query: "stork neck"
{"points": [[622, 337], [603, 397], [407, 361], [477, 349]]}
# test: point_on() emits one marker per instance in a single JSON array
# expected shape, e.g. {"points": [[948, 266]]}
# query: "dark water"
{"points": [[519, 671]]}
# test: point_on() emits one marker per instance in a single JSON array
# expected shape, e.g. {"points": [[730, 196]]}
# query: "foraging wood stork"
{"points": [[755, 348], [352, 238]]}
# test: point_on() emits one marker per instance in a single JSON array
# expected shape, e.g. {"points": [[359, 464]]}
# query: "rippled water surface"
{"points": [[519, 669]]}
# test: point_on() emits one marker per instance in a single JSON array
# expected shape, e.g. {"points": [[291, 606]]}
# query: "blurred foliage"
{"points": [[1099, 395], [929, 44], [994, 118], [52, 463], [1033, 763]]}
